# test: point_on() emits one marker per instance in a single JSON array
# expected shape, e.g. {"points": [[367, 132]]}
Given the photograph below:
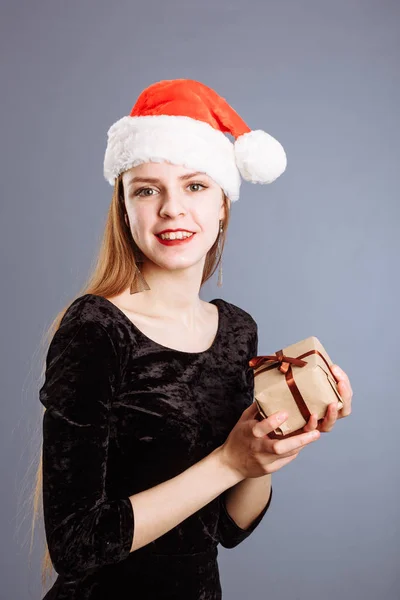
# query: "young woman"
{"points": [[153, 450]]}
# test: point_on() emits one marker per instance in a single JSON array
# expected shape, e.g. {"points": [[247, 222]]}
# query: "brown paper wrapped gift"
{"points": [[296, 379]]}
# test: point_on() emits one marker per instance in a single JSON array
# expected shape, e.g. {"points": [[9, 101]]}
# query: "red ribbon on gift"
{"points": [[284, 365]]}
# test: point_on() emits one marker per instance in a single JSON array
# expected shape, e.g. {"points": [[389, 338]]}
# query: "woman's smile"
{"points": [[176, 241]]}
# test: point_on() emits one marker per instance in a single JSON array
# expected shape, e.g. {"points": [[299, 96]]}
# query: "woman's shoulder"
{"points": [[84, 308], [80, 351], [98, 317], [94, 311], [235, 311], [85, 318]]}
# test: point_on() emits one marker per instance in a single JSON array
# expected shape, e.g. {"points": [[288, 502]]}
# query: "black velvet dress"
{"points": [[123, 414]]}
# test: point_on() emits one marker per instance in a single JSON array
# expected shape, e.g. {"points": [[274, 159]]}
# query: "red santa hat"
{"points": [[184, 122]]}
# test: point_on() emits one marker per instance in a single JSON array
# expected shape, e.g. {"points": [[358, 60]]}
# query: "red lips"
{"points": [[168, 230]]}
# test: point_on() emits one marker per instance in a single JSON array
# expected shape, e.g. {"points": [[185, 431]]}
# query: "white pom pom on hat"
{"points": [[259, 156], [184, 122]]}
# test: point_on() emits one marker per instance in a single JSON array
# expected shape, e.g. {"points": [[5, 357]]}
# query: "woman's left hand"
{"points": [[332, 413]]}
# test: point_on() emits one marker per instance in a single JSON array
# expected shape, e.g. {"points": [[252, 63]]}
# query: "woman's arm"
{"points": [[160, 508], [243, 506], [246, 500]]}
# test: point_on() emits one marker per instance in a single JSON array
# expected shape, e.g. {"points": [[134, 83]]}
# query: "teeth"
{"points": [[178, 235]]}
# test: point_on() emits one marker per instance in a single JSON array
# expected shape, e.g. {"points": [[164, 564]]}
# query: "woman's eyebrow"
{"points": [[156, 180]]}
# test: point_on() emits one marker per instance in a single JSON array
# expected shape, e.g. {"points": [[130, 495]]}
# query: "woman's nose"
{"points": [[172, 203]]}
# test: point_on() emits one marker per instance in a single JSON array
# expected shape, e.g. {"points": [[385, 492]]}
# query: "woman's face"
{"points": [[162, 196]]}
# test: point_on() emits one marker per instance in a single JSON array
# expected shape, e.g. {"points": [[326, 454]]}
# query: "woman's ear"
{"points": [[226, 204]]}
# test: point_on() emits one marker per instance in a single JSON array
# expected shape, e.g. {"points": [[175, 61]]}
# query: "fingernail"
{"points": [[282, 416]]}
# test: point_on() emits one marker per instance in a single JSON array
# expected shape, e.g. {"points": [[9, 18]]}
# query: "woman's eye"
{"points": [[139, 192], [200, 184]]}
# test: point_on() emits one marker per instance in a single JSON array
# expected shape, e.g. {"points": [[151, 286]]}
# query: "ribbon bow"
{"points": [[278, 358], [284, 365]]}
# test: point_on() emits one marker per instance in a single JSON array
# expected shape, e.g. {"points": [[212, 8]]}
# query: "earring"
{"points": [[219, 282], [139, 284]]}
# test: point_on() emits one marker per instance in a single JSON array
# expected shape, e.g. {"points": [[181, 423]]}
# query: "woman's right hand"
{"points": [[249, 451]]}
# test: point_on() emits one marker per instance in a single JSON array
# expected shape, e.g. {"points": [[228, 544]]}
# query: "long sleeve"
{"points": [[84, 528], [229, 533]]}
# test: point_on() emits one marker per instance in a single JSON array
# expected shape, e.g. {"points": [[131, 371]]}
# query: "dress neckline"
{"points": [[216, 301]]}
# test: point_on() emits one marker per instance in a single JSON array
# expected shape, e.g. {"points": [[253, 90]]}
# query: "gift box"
{"points": [[296, 379]]}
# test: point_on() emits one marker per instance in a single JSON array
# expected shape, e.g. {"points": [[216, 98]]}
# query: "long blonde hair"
{"points": [[112, 273]]}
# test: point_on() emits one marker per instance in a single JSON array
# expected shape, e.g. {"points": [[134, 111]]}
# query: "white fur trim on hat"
{"points": [[179, 140]]}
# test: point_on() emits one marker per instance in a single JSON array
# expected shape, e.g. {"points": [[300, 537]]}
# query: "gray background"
{"points": [[315, 253]]}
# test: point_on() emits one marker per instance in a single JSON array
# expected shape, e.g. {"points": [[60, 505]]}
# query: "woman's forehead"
{"points": [[160, 170]]}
